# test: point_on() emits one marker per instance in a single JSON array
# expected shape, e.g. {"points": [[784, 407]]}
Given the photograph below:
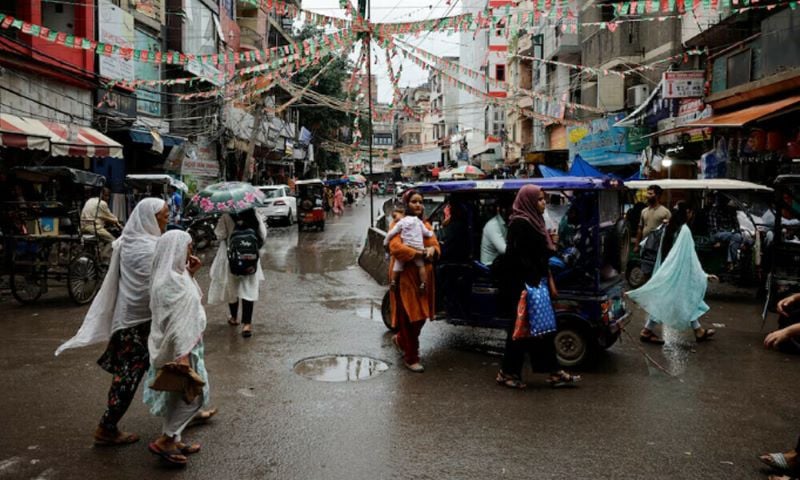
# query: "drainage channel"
{"points": [[340, 368]]}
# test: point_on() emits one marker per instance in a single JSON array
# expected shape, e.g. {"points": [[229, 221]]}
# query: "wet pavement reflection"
{"points": [[340, 368], [318, 317]]}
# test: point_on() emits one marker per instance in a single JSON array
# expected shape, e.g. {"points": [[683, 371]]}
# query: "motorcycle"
{"points": [[201, 228]]}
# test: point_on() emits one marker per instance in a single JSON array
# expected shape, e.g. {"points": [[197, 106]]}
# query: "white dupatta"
{"points": [[175, 300], [123, 300]]}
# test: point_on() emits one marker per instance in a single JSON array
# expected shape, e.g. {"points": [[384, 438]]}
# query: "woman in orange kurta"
{"points": [[410, 305]]}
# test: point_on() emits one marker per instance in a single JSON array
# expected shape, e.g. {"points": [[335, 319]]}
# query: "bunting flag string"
{"points": [[422, 63], [172, 57], [606, 72], [505, 19], [440, 63]]}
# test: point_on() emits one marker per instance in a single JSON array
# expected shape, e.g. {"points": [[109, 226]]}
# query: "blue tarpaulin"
{"points": [[581, 168], [548, 172]]}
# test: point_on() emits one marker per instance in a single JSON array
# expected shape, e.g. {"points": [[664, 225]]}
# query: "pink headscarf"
{"points": [[524, 209]]}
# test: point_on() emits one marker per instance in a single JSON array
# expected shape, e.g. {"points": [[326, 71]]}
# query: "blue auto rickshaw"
{"points": [[589, 269]]}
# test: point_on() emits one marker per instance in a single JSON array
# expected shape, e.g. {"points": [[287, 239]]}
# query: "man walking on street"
{"points": [[653, 215]]}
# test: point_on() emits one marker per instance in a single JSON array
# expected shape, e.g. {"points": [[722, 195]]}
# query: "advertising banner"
{"points": [[200, 159], [115, 27], [686, 84], [602, 144]]}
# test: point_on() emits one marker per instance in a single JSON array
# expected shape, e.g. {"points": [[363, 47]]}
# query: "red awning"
{"points": [[740, 118], [18, 132], [68, 140]]}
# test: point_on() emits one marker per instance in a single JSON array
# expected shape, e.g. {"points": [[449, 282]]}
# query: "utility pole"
{"points": [[363, 12], [249, 163]]}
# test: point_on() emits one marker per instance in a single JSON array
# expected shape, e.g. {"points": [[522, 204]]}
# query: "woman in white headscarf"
{"points": [[120, 315], [176, 336], [227, 287]]}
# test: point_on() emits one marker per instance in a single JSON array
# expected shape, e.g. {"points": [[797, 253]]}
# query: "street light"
{"points": [[667, 162]]}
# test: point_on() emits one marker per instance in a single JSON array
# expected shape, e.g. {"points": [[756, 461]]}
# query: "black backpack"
{"points": [[243, 252]]}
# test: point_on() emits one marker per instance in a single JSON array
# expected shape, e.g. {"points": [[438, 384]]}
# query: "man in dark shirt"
{"points": [[723, 226]]}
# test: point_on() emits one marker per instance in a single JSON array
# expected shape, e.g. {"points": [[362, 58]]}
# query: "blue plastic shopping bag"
{"points": [[541, 316]]}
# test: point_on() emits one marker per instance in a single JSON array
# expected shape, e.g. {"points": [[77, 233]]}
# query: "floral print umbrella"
{"points": [[228, 197]]}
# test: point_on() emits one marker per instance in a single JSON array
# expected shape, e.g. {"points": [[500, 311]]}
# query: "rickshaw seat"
{"points": [[482, 268]]}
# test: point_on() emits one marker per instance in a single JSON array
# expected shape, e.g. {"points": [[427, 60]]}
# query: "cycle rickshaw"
{"points": [[42, 239]]}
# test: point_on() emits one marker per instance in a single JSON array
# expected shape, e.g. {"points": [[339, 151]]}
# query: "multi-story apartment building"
{"points": [[444, 108]]}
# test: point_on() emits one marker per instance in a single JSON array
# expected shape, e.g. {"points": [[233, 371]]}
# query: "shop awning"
{"points": [[78, 141], [19, 132], [61, 139], [143, 136], [740, 118]]}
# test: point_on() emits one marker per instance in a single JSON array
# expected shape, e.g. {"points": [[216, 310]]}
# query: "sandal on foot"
{"points": [[188, 449], [202, 417], [509, 381], [233, 321], [563, 379], [707, 334], [778, 461], [120, 438], [651, 338], [247, 333], [171, 457]]}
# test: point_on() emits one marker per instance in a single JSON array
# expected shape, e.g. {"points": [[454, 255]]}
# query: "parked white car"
{"points": [[280, 205]]}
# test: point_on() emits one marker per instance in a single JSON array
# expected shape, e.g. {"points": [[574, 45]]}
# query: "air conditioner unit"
{"points": [[636, 95]]}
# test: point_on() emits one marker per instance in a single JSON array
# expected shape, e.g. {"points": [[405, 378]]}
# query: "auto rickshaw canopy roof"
{"points": [[698, 184], [551, 183], [41, 174]]}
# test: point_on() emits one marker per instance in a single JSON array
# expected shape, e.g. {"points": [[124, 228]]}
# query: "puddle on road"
{"points": [[370, 311], [310, 259], [340, 368]]}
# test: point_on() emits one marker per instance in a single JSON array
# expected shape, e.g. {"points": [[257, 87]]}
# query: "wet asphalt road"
{"points": [[730, 399]]}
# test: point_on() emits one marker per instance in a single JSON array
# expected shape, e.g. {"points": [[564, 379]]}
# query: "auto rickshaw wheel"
{"points": [[386, 312], [83, 280], [635, 275], [27, 287], [572, 343]]}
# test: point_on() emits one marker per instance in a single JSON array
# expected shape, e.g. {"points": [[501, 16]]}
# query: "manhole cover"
{"points": [[340, 368]]}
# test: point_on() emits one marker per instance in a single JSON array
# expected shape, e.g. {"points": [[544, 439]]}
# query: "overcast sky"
{"points": [[390, 11]]}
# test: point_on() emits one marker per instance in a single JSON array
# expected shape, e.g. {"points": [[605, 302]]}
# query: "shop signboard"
{"points": [[689, 110], [148, 99], [116, 28], [148, 8], [200, 159], [683, 84], [602, 144]]}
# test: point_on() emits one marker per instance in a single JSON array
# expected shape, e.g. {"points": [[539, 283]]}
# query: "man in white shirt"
{"points": [[94, 218], [493, 240]]}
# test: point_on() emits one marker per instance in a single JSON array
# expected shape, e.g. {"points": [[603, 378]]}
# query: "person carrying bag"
{"points": [[526, 290]]}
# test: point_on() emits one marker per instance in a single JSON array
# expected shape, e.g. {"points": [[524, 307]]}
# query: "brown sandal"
{"points": [[707, 334], [121, 438], [509, 381], [232, 321], [651, 338]]}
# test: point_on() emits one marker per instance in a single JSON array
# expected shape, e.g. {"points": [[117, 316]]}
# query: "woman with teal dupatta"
{"points": [[674, 295]]}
